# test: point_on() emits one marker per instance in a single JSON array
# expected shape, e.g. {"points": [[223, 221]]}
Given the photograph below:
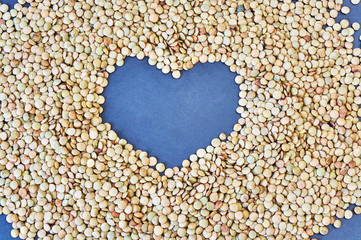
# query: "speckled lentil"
{"points": [[288, 168]]}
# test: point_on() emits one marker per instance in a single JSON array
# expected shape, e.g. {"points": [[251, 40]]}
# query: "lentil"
{"points": [[289, 166]]}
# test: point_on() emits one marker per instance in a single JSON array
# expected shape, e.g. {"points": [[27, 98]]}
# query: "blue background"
{"points": [[172, 118]]}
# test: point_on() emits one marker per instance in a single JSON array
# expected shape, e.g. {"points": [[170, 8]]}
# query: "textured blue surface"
{"points": [[171, 119]]}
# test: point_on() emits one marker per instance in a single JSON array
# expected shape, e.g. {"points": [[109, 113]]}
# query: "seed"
{"points": [[297, 135], [345, 10], [201, 153], [323, 230], [158, 230], [153, 17], [176, 74], [356, 26], [197, 205], [22, 193], [222, 136], [355, 2], [334, 114], [216, 142], [169, 172], [348, 214], [337, 224], [277, 95], [152, 161], [344, 23], [357, 210], [14, 233], [160, 167]]}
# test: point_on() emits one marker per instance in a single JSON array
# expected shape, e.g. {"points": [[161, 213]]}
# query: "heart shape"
{"points": [[289, 167], [166, 118]]}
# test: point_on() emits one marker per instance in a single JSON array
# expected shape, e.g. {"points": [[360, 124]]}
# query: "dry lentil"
{"points": [[292, 151], [357, 210], [345, 10], [337, 224], [348, 214]]}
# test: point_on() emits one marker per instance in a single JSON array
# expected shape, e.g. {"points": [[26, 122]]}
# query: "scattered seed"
{"points": [[345, 10], [160, 167], [356, 26], [348, 214], [337, 224], [288, 168], [357, 210]]}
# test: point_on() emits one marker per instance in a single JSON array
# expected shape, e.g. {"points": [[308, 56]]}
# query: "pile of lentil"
{"points": [[289, 168]]}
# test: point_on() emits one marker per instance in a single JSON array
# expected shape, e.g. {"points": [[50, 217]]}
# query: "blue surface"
{"points": [[5, 229], [172, 118]]}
